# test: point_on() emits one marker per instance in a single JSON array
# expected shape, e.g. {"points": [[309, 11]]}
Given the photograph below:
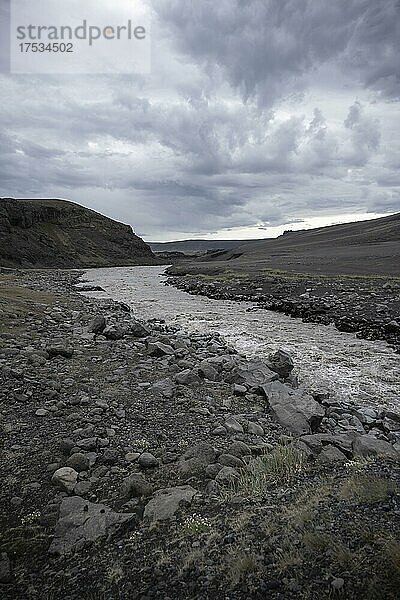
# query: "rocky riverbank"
{"points": [[139, 461], [369, 307]]}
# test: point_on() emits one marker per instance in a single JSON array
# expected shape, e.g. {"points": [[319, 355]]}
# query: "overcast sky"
{"points": [[257, 114]]}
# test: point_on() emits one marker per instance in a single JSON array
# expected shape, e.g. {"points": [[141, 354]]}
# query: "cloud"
{"points": [[269, 48], [255, 113]]}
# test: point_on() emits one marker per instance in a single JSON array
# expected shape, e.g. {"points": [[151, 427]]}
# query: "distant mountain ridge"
{"points": [[371, 246], [197, 246], [57, 233]]}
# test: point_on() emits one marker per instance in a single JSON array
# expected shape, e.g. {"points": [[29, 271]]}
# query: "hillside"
{"points": [[57, 233], [364, 247]]}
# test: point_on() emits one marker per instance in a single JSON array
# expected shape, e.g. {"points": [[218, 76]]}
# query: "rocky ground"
{"points": [[365, 305], [140, 462]]}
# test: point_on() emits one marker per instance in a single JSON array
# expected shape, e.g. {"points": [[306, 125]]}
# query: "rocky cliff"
{"points": [[57, 233]]}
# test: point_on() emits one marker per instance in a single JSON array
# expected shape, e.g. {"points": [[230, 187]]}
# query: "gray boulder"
{"points": [[227, 475], [187, 377], [197, 458], [295, 410], [65, 478], [158, 349], [97, 325], [113, 333], [164, 387], [252, 373], [81, 523], [233, 426], [138, 330], [239, 449], [229, 460], [166, 502], [281, 362], [136, 486], [367, 445], [63, 351], [207, 371], [254, 428], [79, 462], [344, 441], [330, 454]]}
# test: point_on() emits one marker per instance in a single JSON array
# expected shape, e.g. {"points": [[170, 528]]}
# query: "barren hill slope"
{"points": [[371, 247], [57, 233]]}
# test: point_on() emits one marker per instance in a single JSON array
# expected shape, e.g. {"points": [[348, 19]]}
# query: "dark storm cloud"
{"points": [[267, 48], [256, 112]]}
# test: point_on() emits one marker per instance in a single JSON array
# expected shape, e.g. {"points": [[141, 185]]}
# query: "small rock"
{"points": [[41, 412], [330, 454], [82, 488], [197, 458], [213, 470], [87, 443], [165, 387], [66, 445], [79, 462], [132, 456], [110, 457], [212, 488], [148, 461], [255, 429], [239, 449], [233, 426], [207, 371], [62, 351], [158, 349], [239, 390], [219, 431], [228, 460]]}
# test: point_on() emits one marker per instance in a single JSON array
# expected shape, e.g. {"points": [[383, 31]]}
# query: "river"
{"points": [[325, 358]]}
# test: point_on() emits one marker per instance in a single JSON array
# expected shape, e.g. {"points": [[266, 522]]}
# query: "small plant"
{"points": [[196, 525], [367, 489], [183, 444], [31, 518], [142, 444], [391, 556], [358, 463], [287, 559], [23, 540], [240, 565], [115, 573], [278, 467], [135, 535]]}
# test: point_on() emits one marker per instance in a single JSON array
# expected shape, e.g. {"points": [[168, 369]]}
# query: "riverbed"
{"points": [[325, 359]]}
